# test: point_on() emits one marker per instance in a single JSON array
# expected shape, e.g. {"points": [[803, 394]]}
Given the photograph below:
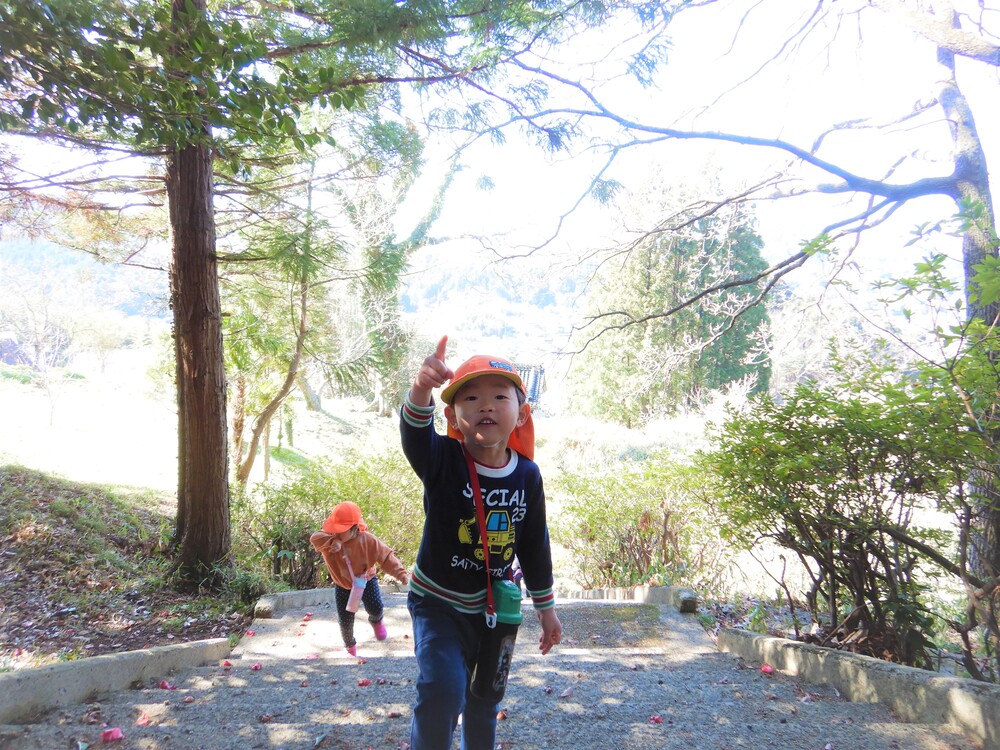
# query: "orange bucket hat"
{"points": [[523, 438], [342, 517]]}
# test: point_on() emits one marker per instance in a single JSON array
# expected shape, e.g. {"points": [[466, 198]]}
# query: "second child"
{"points": [[350, 553]]}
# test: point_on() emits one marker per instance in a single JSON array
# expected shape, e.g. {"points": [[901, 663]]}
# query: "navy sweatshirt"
{"points": [[449, 562]]}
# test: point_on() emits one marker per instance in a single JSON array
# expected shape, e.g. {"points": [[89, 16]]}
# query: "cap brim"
{"points": [[449, 391], [332, 527]]}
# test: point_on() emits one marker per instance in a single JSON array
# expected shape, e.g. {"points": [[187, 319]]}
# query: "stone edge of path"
{"points": [[27, 692], [912, 694]]}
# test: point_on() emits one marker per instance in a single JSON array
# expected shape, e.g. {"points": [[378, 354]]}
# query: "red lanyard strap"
{"points": [[477, 498]]}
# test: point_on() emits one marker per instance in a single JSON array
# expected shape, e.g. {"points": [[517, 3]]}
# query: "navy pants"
{"points": [[371, 599], [446, 643]]}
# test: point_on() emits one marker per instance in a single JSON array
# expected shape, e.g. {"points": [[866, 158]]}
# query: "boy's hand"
{"points": [[551, 630], [433, 373]]}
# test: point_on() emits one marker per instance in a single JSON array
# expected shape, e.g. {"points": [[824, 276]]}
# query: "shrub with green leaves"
{"points": [[272, 523], [839, 474], [646, 522]]}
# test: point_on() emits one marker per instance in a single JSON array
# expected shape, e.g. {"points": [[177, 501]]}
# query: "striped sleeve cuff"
{"points": [[417, 416], [545, 599]]}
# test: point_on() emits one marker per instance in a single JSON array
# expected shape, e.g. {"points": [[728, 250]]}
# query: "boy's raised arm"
{"points": [[433, 373]]}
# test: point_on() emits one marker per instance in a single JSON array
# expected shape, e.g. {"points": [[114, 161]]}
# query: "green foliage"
{"points": [[272, 523], [643, 523], [18, 373], [657, 341], [837, 474]]}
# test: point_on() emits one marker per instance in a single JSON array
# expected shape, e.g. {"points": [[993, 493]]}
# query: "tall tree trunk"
{"points": [[202, 532], [978, 243]]}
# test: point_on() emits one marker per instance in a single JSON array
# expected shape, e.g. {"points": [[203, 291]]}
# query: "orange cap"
{"points": [[480, 365], [342, 517], [523, 438]]}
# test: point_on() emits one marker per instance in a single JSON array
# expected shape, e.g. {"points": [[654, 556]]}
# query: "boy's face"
{"points": [[486, 411]]}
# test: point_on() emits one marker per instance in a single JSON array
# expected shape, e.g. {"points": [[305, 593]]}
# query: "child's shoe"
{"points": [[380, 631], [353, 650]]}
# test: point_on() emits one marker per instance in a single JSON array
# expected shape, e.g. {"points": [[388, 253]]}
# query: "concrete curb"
{"points": [[272, 605], [30, 691], [914, 695], [685, 600]]}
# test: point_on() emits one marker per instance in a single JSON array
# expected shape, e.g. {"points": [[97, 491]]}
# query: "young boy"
{"points": [[488, 416], [349, 551]]}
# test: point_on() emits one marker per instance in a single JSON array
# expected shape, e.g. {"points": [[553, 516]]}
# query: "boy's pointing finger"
{"points": [[442, 348]]}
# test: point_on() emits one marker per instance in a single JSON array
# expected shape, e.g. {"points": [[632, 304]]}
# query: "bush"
{"points": [[18, 373], [644, 523], [838, 474], [272, 523]]}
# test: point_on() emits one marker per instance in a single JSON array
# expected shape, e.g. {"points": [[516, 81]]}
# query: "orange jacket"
{"points": [[365, 552]]}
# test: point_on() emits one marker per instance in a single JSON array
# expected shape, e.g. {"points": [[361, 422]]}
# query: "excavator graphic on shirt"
{"points": [[499, 535]]}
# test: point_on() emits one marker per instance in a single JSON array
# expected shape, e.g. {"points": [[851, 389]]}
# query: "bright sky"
{"points": [[880, 79]]}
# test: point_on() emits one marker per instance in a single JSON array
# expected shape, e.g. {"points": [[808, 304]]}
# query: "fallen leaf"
{"points": [[364, 683], [164, 685], [143, 720], [567, 693], [394, 714], [256, 667], [264, 718], [227, 664], [112, 735], [188, 699], [655, 719], [503, 714], [251, 632], [766, 669]]}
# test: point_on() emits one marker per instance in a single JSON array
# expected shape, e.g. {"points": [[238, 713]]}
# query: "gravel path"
{"points": [[627, 675]]}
